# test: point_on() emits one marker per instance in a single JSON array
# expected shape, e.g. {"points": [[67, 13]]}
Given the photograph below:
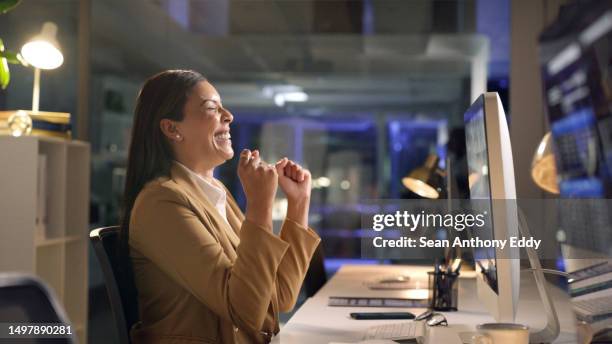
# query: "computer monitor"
{"points": [[491, 177]]}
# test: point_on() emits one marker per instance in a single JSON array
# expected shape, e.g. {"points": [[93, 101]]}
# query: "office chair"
{"points": [[26, 299], [105, 242]]}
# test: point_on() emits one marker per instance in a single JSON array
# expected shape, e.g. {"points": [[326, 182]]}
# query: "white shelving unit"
{"points": [[59, 256]]}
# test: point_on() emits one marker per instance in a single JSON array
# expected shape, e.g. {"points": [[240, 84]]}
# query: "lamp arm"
{"points": [[36, 90]]}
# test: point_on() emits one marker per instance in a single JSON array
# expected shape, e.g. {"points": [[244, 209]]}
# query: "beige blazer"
{"points": [[202, 280]]}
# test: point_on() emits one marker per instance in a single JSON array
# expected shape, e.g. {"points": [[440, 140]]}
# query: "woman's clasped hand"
{"points": [[260, 181]]}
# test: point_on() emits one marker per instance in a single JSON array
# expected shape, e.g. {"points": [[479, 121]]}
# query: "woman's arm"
{"points": [[297, 211], [303, 241], [295, 182]]}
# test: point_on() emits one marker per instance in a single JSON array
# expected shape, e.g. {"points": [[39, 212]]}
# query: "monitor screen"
{"points": [[479, 184]]}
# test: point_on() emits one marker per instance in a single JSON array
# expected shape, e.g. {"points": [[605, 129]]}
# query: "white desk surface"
{"points": [[315, 322]]}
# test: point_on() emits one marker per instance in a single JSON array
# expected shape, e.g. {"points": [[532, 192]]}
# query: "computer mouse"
{"points": [[425, 315]]}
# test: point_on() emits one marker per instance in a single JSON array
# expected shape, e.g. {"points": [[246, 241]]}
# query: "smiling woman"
{"points": [[204, 272]]}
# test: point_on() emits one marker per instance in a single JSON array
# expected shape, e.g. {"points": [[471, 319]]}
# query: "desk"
{"points": [[315, 322]]}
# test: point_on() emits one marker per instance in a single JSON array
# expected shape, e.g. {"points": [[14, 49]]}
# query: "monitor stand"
{"points": [[551, 331]]}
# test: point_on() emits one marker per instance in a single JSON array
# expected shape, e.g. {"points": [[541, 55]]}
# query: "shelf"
{"points": [[56, 241], [49, 242], [56, 155], [80, 333], [59, 256], [50, 267], [74, 283], [77, 191]]}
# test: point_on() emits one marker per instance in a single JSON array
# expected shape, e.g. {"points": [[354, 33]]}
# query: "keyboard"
{"points": [[595, 309], [397, 331]]}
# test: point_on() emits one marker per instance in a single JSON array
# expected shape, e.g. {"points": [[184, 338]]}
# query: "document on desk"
{"points": [[339, 301]]}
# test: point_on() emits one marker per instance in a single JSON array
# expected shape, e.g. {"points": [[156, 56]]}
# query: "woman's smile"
{"points": [[222, 140], [223, 137]]}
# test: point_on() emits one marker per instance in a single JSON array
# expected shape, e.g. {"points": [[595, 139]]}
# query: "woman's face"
{"points": [[205, 127]]}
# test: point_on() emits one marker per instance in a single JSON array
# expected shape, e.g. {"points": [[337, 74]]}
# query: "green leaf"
{"points": [[22, 60], [13, 57], [5, 74], [7, 5]]}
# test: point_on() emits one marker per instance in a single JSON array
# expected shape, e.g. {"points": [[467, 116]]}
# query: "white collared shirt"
{"points": [[214, 193]]}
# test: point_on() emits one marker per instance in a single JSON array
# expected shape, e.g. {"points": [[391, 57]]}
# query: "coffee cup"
{"points": [[501, 333]]}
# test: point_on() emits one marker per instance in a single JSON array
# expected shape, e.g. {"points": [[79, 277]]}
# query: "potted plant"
{"points": [[7, 56]]}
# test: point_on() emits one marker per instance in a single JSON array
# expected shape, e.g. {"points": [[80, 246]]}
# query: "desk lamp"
{"points": [[42, 52], [426, 181], [543, 168]]}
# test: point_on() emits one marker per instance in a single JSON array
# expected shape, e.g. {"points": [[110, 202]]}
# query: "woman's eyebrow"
{"points": [[209, 99]]}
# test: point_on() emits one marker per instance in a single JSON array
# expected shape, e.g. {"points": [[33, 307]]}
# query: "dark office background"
{"points": [[387, 83]]}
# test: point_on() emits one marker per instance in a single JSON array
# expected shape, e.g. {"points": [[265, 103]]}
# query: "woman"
{"points": [[203, 271]]}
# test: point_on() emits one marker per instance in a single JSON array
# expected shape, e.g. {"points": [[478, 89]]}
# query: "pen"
{"points": [[456, 265], [447, 258]]}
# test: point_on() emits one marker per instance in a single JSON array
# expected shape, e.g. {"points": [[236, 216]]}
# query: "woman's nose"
{"points": [[227, 116]]}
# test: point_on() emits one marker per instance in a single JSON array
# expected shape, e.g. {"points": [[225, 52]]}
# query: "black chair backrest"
{"points": [[26, 299], [105, 242]]}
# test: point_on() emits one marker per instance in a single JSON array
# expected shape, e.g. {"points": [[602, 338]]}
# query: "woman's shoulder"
{"points": [[159, 190], [155, 203]]}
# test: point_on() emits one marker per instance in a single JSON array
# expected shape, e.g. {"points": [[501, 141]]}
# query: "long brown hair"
{"points": [[162, 96]]}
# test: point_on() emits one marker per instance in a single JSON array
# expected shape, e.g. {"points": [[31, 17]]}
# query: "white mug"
{"points": [[500, 333]]}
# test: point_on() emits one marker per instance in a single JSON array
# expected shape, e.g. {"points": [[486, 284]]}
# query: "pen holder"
{"points": [[443, 290]]}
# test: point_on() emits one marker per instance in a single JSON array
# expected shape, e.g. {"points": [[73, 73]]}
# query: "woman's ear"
{"points": [[168, 127]]}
